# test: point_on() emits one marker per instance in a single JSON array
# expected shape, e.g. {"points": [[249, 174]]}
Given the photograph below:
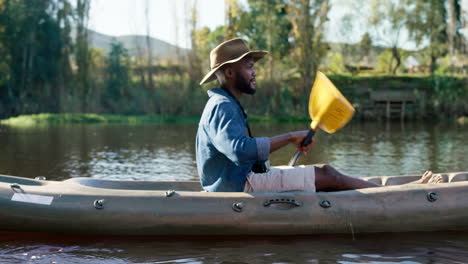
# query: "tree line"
{"points": [[47, 65]]}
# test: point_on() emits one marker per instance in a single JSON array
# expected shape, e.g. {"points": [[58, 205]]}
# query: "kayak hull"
{"points": [[93, 206]]}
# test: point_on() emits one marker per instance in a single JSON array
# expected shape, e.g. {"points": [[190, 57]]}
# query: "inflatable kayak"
{"points": [[95, 206]]}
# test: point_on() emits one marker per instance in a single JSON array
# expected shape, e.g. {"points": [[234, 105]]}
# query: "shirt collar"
{"points": [[219, 91]]}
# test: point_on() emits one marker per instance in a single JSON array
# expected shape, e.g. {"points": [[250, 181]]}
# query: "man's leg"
{"points": [[329, 179]]}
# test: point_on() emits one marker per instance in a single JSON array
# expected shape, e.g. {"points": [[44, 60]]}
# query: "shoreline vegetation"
{"points": [[91, 118]]}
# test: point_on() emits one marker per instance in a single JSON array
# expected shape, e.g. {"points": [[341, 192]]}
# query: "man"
{"points": [[227, 155]]}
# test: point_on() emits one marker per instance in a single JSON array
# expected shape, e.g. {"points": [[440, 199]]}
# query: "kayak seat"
{"points": [[191, 186], [392, 180], [399, 180], [458, 176]]}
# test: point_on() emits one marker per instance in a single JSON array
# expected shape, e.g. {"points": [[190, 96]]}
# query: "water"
{"points": [[156, 152], [407, 248]]}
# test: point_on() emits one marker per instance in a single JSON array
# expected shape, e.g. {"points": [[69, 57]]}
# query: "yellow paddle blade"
{"points": [[328, 108]]}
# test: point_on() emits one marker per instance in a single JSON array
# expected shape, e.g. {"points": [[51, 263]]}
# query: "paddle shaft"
{"points": [[304, 143]]}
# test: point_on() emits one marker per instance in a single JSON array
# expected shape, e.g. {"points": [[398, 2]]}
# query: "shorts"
{"points": [[282, 179]]}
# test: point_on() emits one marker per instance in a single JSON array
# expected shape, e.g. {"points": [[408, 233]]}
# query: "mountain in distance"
{"points": [[136, 45]]}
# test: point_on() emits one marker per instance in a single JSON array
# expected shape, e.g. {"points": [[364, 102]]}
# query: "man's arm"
{"points": [[295, 137]]}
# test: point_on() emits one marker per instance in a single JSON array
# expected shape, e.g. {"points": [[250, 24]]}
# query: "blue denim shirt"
{"points": [[225, 153]]}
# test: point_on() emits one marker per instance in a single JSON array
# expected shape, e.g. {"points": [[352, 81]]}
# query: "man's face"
{"points": [[245, 76]]}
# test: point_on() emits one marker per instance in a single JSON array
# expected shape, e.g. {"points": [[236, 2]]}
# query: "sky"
{"points": [[169, 21], [168, 18]]}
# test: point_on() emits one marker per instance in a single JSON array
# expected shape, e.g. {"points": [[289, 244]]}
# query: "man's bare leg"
{"points": [[329, 179]]}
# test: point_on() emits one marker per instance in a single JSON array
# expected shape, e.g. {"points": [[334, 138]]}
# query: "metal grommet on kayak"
{"points": [[99, 204], [432, 197], [325, 204], [238, 207]]}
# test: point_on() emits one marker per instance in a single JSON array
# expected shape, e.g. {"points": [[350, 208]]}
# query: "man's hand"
{"points": [[298, 137], [295, 138]]}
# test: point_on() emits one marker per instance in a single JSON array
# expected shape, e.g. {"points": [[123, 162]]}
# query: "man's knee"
{"points": [[327, 170], [326, 176]]}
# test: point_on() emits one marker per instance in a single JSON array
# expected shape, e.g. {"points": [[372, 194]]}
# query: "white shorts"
{"points": [[282, 179]]}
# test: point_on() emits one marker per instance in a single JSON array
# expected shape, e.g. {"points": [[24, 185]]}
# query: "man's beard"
{"points": [[244, 85]]}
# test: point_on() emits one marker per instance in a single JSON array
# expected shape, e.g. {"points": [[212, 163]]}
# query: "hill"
{"points": [[136, 45]]}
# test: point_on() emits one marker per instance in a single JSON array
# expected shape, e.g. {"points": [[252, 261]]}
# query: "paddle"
{"points": [[328, 109]]}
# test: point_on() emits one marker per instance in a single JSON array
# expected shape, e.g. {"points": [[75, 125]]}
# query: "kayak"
{"points": [[108, 207]]}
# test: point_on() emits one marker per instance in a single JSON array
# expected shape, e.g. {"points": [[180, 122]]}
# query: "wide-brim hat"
{"points": [[230, 51]]}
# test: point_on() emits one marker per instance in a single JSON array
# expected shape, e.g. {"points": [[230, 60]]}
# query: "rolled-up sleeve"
{"points": [[263, 148], [228, 132]]}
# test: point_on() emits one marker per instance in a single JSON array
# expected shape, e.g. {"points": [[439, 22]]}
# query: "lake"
{"points": [[166, 152]]}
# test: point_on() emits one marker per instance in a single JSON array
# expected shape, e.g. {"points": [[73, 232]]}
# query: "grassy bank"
{"points": [[89, 118]]}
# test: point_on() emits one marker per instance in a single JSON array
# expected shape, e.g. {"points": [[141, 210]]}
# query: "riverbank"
{"points": [[425, 97], [91, 118]]}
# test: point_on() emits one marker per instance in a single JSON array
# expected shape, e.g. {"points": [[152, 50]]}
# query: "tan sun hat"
{"points": [[229, 52]]}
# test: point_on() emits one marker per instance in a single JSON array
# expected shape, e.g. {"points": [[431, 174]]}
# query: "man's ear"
{"points": [[228, 72]]}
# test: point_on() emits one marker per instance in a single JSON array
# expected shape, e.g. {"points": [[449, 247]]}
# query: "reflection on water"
{"points": [[135, 164], [385, 248], [393, 149], [166, 152], [149, 152]]}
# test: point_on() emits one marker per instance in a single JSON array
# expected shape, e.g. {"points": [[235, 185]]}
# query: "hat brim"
{"points": [[256, 55]]}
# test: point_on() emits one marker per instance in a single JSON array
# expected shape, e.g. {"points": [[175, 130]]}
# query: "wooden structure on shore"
{"points": [[392, 103]]}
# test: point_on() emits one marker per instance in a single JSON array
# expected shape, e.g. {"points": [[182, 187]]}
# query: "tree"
{"points": [[426, 22], [308, 18], [365, 44], [82, 55], [206, 40], [455, 38], [233, 11], [389, 18], [195, 71], [266, 26], [64, 18], [33, 45], [149, 49], [117, 76]]}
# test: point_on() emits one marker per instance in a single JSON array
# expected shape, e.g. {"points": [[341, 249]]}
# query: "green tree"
{"points": [[31, 38], [266, 25], [233, 12], [194, 70], [82, 55], [365, 44], [206, 40], [389, 19], [62, 94], [456, 41], [335, 62], [308, 19], [117, 77], [426, 21]]}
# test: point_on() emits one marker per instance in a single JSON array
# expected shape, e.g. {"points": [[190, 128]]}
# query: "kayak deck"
{"points": [[194, 186]]}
